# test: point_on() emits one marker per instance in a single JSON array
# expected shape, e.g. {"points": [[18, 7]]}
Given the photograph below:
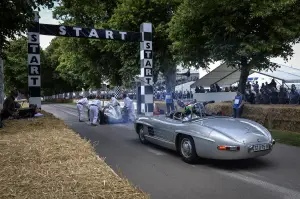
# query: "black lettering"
{"points": [[148, 72], [34, 80], [148, 54], [34, 70], [34, 59], [34, 38], [148, 45], [148, 63], [148, 80]]}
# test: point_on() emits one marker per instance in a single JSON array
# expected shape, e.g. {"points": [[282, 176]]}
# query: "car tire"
{"points": [[141, 133], [187, 149]]}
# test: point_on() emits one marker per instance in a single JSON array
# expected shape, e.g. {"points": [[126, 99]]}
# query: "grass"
{"points": [[286, 137], [43, 158]]}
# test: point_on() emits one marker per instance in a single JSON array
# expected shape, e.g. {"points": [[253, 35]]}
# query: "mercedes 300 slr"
{"points": [[212, 137]]}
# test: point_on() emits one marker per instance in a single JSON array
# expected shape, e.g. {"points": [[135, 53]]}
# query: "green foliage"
{"points": [[244, 34], [16, 15], [128, 16], [88, 60], [16, 69], [15, 65], [115, 61]]}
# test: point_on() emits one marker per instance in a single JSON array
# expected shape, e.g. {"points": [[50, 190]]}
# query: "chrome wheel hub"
{"points": [[141, 134], [186, 147]]}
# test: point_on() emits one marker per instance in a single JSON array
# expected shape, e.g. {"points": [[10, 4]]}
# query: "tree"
{"points": [[118, 60], [16, 69], [128, 15], [52, 81], [243, 34], [16, 15], [88, 59]]}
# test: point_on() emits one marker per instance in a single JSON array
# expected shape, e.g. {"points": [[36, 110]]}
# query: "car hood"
{"points": [[241, 130]]}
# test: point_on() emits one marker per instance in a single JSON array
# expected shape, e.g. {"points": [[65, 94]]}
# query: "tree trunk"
{"points": [[245, 71], [170, 76]]}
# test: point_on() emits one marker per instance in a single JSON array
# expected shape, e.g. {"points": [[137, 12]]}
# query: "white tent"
{"points": [[223, 75]]}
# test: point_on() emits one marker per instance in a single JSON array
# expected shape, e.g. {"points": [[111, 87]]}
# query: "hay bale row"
{"points": [[281, 117], [43, 158]]}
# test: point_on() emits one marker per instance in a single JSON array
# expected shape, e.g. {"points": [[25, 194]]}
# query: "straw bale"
{"points": [[43, 158], [281, 117]]}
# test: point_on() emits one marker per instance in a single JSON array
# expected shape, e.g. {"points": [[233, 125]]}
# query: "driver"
{"points": [[188, 111]]}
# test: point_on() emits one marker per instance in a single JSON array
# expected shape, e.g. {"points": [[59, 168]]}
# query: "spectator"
{"points": [[218, 89], [251, 97], [256, 87], [202, 90], [266, 95], [197, 89], [248, 85], [294, 95], [273, 84], [169, 102], [274, 98], [283, 96], [258, 98], [9, 109], [213, 88], [237, 105]]}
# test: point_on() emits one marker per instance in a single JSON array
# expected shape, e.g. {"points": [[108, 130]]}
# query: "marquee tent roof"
{"points": [[223, 75]]}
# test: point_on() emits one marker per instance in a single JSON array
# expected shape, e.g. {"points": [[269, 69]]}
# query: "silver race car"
{"points": [[194, 134], [110, 114]]}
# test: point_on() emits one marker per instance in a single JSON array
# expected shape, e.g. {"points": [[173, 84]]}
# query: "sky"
{"points": [[46, 17]]}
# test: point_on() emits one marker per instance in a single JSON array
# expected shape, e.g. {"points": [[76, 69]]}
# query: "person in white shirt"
{"points": [[114, 102], [128, 105], [81, 103], [94, 108]]}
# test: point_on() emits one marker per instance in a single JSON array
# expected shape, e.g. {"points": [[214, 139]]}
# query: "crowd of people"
{"points": [[267, 93]]}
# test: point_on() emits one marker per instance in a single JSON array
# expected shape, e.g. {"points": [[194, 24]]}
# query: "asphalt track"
{"points": [[163, 175]]}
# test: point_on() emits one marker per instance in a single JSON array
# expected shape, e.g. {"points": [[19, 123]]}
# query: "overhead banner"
{"points": [[70, 31]]}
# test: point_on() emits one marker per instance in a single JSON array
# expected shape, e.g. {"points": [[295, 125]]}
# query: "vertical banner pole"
{"points": [[146, 55], [34, 61]]}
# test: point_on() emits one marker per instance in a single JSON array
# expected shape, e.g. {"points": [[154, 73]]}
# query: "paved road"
{"points": [[162, 173]]}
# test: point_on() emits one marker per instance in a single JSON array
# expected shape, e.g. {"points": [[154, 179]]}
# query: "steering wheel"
{"points": [[178, 116]]}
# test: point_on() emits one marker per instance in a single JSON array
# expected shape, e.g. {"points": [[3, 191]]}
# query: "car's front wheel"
{"points": [[141, 134], [187, 149]]}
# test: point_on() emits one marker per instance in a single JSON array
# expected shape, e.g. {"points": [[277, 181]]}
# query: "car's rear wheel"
{"points": [[141, 134], [187, 149]]}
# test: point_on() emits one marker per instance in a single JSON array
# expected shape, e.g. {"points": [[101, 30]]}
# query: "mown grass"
{"points": [[286, 137]]}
